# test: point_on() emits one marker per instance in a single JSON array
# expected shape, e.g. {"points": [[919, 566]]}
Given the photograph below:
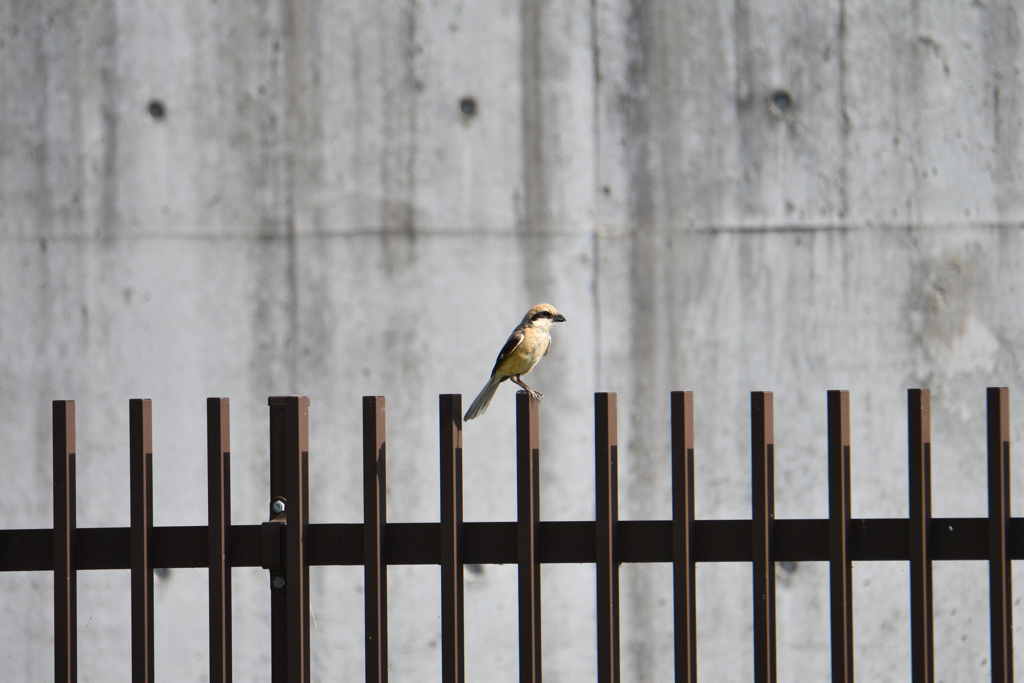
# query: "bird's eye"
{"points": [[541, 314]]}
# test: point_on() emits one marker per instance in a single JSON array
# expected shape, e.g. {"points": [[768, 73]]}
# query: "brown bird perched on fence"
{"points": [[529, 342]]}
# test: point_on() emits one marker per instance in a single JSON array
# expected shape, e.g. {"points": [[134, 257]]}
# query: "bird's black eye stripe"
{"points": [[541, 314]]}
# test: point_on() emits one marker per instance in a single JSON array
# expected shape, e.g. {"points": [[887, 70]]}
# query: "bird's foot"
{"points": [[535, 395]]}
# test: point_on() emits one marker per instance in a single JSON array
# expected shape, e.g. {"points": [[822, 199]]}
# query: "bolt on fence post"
{"points": [[840, 566], [453, 665], [141, 475], [684, 567], [218, 475], [1000, 575], [528, 533], [375, 569], [763, 482], [922, 656], [65, 527]]}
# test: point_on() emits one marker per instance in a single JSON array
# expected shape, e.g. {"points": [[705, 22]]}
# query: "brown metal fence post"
{"points": [[921, 625], [270, 540], [607, 515], [528, 532], [763, 499], [296, 533], [374, 526], [840, 566], [141, 457], [289, 490], [65, 527], [453, 665], [218, 473], [1000, 575], [683, 564]]}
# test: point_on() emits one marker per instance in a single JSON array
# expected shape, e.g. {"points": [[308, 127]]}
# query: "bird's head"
{"points": [[544, 316]]}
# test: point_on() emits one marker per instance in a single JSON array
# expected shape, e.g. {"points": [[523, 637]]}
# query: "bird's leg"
{"points": [[536, 394]]}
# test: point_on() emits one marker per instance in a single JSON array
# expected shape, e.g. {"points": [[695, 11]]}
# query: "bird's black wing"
{"points": [[513, 341]]}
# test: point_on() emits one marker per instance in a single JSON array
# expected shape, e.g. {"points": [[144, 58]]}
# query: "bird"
{"points": [[528, 343]]}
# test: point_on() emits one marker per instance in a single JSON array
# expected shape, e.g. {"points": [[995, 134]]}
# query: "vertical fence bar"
{"points": [[1000, 586], [374, 525], [296, 531], [289, 491], [528, 503], [840, 567], [763, 482], [684, 568], [141, 456], [65, 527], [607, 514], [453, 664], [278, 516], [921, 626], [218, 475]]}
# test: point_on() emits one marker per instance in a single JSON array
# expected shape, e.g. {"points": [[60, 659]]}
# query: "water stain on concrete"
{"points": [[943, 314]]}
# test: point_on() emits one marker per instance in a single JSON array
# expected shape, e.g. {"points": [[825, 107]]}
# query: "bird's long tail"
{"points": [[483, 399]]}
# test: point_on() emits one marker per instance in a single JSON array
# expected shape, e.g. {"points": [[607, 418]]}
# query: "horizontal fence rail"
{"points": [[287, 544], [714, 540]]}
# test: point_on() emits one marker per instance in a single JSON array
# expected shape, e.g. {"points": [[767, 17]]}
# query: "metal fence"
{"points": [[287, 545]]}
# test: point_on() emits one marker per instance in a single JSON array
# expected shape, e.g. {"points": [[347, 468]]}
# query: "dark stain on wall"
{"points": [[534, 220]]}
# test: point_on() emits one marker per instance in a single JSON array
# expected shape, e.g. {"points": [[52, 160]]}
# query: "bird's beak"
{"points": [[559, 318]]}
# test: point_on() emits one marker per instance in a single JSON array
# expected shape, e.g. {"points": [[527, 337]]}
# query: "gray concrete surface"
{"points": [[722, 197]]}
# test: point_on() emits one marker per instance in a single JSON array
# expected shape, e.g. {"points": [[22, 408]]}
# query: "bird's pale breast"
{"points": [[526, 355]]}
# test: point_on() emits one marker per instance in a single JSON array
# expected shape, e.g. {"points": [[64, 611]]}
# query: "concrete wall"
{"points": [[723, 197]]}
